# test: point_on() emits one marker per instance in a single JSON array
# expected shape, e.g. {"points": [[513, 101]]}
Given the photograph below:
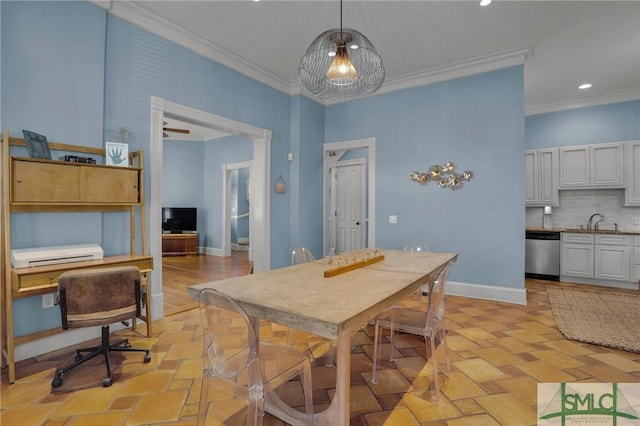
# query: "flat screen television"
{"points": [[179, 220]]}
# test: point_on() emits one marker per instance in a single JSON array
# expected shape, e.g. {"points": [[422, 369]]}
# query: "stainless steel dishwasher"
{"points": [[542, 255]]}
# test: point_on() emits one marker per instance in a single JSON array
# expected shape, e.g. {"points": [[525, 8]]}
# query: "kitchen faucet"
{"points": [[595, 227]]}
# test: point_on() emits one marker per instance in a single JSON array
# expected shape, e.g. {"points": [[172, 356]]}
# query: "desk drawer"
{"points": [[24, 282]]}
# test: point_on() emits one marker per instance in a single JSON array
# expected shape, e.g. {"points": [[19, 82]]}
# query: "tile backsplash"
{"points": [[576, 206]]}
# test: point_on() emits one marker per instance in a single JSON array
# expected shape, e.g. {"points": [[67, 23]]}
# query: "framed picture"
{"points": [[117, 154], [36, 145]]}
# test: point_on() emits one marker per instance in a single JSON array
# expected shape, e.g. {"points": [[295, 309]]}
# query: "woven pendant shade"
{"points": [[341, 64]]}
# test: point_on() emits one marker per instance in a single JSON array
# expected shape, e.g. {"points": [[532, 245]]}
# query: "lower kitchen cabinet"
{"points": [[577, 260], [600, 259], [611, 263], [635, 267]]}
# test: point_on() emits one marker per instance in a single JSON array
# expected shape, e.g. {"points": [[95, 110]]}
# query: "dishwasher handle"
{"points": [[534, 235]]}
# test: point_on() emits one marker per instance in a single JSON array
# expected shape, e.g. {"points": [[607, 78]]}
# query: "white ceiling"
{"points": [[566, 42]]}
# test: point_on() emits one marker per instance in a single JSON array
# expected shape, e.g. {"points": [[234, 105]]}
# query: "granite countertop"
{"points": [[583, 231]]}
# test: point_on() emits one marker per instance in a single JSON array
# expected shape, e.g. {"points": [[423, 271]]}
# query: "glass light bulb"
{"points": [[341, 72]]}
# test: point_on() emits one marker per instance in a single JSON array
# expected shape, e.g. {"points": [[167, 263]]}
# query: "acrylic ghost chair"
{"points": [[299, 255], [429, 324], [418, 246], [239, 370]]}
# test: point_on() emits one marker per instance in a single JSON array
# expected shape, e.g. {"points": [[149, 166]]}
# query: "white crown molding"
{"points": [[154, 23], [466, 68], [610, 98], [461, 69]]}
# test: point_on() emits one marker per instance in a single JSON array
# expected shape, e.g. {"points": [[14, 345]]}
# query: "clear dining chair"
{"points": [[299, 255], [419, 246], [239, 370], [429, 324]]}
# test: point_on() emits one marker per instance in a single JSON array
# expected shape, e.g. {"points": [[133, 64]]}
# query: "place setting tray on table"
{"points": [[340, 264]]}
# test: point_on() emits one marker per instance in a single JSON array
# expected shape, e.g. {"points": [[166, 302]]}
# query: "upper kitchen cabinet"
{"points": [[592, 166], [632, 168], [541, 177]]}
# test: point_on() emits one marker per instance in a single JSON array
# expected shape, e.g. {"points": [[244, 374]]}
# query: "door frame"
{"points": [[261, 171], [331, 155], [226, 206]]}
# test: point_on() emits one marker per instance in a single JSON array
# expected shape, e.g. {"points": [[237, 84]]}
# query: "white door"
{"points": [[350, 206]]}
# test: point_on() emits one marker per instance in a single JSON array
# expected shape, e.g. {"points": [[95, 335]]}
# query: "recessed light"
{"points": [[585, 86], [485, 2]]}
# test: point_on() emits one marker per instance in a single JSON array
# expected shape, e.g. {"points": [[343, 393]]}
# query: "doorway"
{"points": [[237, 217], [337, 154], [260, 169], [348, 185]]}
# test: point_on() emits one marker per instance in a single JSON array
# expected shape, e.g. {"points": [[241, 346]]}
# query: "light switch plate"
{"points": [[635, 220], [393, 219]]}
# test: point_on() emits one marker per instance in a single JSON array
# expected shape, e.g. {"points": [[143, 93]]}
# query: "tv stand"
{"points": [[180, 244]]}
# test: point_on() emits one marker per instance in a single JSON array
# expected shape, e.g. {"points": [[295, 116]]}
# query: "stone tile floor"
{"points": [[498, 352]]}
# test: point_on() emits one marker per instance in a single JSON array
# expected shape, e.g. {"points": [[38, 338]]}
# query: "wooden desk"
{"points": [[44, 279], [300, 297]]}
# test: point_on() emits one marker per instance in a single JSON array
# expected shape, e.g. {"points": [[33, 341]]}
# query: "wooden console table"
{"points": [[180, 244]]}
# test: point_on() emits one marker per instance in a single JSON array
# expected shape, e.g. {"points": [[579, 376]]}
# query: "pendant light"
{"points": [[341, 64]]}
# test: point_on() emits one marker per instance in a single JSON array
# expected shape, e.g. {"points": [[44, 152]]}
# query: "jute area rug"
{"points": [[606, 318]]}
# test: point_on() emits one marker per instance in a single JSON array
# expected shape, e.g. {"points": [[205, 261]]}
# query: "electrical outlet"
{"points": [[48, 300], [393, 219], [635, 220]]}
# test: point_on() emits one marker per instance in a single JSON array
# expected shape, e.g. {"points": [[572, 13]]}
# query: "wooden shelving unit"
{"points": [[38, 185]]}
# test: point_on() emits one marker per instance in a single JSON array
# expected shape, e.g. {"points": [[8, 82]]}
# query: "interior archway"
{"points": [[260, 205]]}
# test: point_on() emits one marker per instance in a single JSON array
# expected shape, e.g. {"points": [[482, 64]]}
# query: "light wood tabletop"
{"points": [[301, 297]]}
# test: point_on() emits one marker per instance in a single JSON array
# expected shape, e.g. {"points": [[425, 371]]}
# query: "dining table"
{"points": [[301, 297]]}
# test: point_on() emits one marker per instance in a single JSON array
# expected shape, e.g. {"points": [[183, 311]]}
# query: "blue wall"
{"points": [[477, 122], [53, 83], [77, 74], [305, 183], [583, 126]]}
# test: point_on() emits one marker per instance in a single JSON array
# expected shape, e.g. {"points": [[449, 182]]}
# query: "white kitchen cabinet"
{"points": [[606, 165], [574, 167], [632, 168], [612, 257], [592, 166], [541, 177], [577, 255], [577, 260], [600, 259], [635, 260]]}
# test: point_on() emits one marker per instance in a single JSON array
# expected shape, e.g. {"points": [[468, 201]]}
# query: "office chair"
{"points": [[239, 370], [429, 324], [100, 296]]}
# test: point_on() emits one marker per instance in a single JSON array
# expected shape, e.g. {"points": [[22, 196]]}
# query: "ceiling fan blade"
{"points": [[169, 129]]}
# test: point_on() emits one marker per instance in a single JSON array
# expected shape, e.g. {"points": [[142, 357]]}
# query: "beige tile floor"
{"points": [[498, 351]]}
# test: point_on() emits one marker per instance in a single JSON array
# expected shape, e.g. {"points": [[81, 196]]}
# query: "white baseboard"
{"points": [[212, 251], [487, 292]]}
